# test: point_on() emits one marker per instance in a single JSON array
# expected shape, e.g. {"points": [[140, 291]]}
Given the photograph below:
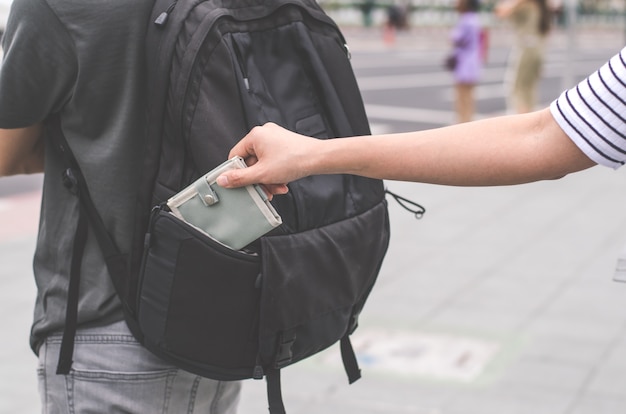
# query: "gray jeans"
{"points": [[113, 373]]}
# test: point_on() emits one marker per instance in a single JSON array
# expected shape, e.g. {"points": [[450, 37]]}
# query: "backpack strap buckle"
{"points": [[284, 353]]}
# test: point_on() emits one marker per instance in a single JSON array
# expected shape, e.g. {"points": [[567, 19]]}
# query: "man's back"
{"points": [[86, 61]]}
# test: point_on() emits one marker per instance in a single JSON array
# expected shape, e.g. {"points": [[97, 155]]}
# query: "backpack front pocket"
{"points": [[312, 293]]}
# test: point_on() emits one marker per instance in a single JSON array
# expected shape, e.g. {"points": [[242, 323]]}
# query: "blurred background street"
{"points": [[498, 301]]}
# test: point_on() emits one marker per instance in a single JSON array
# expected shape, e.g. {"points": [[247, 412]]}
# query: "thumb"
{"points": [[233, 179], [239, 178]]}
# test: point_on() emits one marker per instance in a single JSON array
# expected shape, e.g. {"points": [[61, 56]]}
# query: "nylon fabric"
{"points": [[216, 69]]}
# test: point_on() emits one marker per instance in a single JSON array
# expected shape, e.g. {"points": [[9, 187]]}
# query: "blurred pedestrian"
{"points": [[367, 7], [467, 57], [396, 20], [530, 20]]}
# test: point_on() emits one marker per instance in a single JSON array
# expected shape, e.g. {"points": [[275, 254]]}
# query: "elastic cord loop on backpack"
{"points": [[417, 209]]}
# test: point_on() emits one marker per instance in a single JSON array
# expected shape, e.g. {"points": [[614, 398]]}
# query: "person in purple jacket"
{"points": [[465, 38]]}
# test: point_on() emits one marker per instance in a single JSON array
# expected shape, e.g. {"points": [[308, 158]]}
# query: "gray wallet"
{"points": [[234, 217]]}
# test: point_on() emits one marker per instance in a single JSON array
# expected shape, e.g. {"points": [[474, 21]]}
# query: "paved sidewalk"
{"points": [[500, 301]]}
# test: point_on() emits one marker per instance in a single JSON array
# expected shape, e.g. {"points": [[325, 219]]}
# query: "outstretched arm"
{"points": [[497, 151]]}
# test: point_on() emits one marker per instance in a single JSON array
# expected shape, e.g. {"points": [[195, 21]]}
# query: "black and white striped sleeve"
{"points": [[593, 114]]}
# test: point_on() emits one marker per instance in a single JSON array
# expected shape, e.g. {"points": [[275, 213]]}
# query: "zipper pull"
{"points": [[162, 19], [348, 53]]}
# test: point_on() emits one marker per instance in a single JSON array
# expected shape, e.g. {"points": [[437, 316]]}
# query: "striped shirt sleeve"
{"points": [[593, 113]]}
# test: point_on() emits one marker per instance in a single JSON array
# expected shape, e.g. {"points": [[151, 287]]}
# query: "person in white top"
{"points": [[583, 127]]}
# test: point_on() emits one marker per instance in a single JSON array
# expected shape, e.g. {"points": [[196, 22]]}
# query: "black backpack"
{"points": [[216, 68]]}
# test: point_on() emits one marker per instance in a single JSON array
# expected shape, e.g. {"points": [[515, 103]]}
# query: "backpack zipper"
{"points": [[242, 64], [162, 19]]}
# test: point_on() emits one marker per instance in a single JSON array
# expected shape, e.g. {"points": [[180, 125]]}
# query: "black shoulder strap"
{"points": [[116, 264], [71, 310], [274, 394]]}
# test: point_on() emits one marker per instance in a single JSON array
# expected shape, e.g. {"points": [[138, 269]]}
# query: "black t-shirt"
{"points": [[85, 60]]}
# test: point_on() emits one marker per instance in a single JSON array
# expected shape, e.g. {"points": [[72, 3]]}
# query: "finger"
{"points": [[242, 149], [245, 147], [276, 189], [235, 178], [267, 191], [271, 190], [251, 160]]}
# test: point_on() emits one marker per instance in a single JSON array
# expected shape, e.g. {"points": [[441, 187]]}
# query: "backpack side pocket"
{"points": [[198, 301]]}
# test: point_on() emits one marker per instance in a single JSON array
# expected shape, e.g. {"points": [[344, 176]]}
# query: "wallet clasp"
{"points": [[206, 193]]}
